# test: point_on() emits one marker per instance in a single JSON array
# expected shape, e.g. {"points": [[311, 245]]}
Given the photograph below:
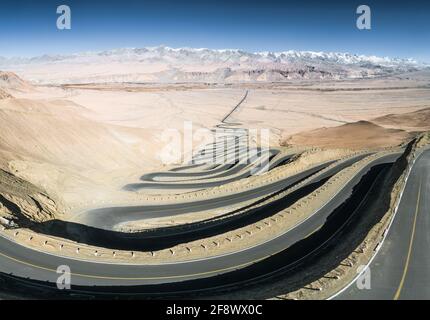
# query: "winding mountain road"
{"points": [[399, 256], [401, 268], [32, 264]]}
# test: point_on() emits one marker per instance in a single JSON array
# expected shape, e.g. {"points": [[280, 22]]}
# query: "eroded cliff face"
{"points": [[423, 139], [22, 203]]}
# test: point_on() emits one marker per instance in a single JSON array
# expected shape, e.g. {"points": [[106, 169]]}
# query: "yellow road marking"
{"points": [[139, 278], [408, 257]]}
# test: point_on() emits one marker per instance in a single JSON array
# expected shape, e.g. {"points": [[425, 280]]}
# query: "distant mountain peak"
{"points": [[338, 57], [166, 64]]}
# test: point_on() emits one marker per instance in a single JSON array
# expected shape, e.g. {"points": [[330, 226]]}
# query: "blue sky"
{"points": [[399, 28]]}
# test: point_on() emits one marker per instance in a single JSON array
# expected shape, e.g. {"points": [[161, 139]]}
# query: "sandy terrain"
{"points": [[4, 95], [82, 144], [411, 121], [352, 135]]}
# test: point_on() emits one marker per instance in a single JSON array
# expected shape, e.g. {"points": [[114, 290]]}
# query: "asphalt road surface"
{"points": [[401, 268], [107, 218], [32, 264]]}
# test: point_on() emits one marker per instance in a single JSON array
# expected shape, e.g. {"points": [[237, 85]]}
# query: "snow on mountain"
{"points": [[165, 64]]}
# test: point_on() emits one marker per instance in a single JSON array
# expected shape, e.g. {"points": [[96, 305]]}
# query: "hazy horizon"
{"points": [[201, 48]]}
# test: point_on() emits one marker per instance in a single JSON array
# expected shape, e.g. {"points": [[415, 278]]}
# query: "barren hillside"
{"points": [[4, 94], [9, 80], [357, 135], [410, 121]]}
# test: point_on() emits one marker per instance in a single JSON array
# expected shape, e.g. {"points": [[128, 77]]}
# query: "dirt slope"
{"points": [[23, 202], [410, 121], [4, 94], [51, 144], [357, 135]]}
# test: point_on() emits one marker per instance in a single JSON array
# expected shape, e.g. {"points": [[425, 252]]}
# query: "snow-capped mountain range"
{"points": [[165, 64]]}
